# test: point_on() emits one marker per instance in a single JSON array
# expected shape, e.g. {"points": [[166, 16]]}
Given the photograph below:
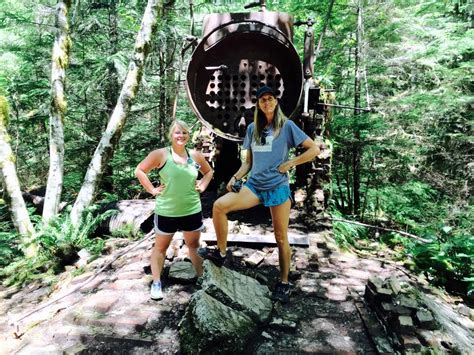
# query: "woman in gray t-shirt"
{"points": [[267, 141]]}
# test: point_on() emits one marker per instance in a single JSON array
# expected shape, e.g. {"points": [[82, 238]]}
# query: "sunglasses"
{"points": [[263, 137], [190, 161]]}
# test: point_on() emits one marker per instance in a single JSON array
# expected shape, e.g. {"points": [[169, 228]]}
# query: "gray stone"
{"points": [[375, 283], [255, 259], [408, 302], [403, 311], [394, 285], [410, 343], [211, 327], [464, 310], [238, 291], [425, 319], [182, 271], [84, 258], [405, 325], [384, 295], [282, 324]]}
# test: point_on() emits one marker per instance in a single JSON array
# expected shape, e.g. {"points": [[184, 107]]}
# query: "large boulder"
{"points": [[222, 316], [182, 271], [211, 327], [237, 291]]}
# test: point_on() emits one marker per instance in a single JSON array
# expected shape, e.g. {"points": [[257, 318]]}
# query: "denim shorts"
{"points": [[271, 198], [170, 225]]}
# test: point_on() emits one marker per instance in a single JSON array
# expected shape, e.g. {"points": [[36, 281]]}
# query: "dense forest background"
{"points": [[405, 165]]}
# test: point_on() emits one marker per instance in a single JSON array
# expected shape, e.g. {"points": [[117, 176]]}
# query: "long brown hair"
{"points": [[260, 121]]}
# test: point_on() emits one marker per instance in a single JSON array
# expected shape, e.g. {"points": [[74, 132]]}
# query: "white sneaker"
{"points": [[155, 291]]}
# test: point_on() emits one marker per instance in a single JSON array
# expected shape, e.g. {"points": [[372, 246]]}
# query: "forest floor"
{"points": [[111, 312]]}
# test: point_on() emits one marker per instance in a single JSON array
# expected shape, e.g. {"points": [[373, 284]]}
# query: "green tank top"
{"points": [[179, 198]]}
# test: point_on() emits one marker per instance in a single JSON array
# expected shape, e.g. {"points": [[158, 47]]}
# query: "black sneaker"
{"points": [[213, 255], [282, 292]]}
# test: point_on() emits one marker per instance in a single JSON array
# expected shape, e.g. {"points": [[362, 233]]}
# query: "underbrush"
{"points": [[447, 260], [56, 243]]}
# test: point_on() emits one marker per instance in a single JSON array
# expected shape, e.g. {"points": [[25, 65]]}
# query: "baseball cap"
{"points": [[264, 90]]}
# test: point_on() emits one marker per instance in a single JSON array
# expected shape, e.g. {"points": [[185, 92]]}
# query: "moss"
{"points": [[3, 112], [60, 103]]}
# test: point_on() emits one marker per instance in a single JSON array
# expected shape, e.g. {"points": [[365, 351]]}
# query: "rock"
{"points": [[211, 327], [84, 258], [410, 342], [464, 310], [425, 319], [283, 324], [384, 295], [182, 271], [405, 325], [255, 259], [237, 253], [394, 285], [408, 302], [238, 291], [375, 283]]}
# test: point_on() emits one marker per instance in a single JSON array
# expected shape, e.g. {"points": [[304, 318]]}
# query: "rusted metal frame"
{"points": [[346, 106], [273, 32], [242, 22]]}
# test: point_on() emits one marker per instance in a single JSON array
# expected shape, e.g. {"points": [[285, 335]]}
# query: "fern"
{"points": [[58, 243]]}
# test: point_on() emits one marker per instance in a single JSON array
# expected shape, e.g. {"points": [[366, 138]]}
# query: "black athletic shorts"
{"points": [[170, 225]]}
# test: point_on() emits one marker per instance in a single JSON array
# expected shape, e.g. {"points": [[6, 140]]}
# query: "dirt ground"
{"points": [[112, 312]]}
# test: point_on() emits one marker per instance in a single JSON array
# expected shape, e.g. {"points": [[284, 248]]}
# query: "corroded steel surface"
{"points": [[238, 54]]}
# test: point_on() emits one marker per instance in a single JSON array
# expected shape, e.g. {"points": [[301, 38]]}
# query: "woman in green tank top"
{"points": [[178, 204]]}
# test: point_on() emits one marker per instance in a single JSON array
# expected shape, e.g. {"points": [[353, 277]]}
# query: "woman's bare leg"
{"points": [[230, 202], [158, 254], [281, 219], [192, 241]]}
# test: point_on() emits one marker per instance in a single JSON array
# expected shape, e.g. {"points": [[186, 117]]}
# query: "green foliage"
{"points": [[347, 234], [416, 150], [129, 231], [448, 258], [58, 243]]}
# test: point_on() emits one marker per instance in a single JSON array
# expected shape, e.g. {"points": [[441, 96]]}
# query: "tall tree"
{"points": [[111, 136], [357, 148], [18, 210], [61, 47]]}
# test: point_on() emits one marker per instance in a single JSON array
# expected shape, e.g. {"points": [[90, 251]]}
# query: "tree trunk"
{"points": [[112, 85], [323, 31], [356, 150], [111, 136], [15, 201], [62, 44]]}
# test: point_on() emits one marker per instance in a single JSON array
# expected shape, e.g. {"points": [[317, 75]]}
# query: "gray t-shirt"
{"points": [[266, 158]]}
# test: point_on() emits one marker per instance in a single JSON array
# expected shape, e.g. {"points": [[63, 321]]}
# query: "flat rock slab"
{"points": [[182, 271], [211, 327], [238, 291]]}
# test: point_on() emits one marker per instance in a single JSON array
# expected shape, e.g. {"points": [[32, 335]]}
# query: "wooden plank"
{"points": [[294, 239]]}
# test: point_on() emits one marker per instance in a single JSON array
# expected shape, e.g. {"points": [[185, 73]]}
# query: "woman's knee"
{"points": [[220, 206], [160, 247], [192, 244], [281, 238]]}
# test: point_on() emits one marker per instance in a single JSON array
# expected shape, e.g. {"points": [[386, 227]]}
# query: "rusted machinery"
{"points": [[238, 54]]}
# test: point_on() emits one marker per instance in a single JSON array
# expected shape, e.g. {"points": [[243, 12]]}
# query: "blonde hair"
{"points": [[260, 121], [183, 125]]}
